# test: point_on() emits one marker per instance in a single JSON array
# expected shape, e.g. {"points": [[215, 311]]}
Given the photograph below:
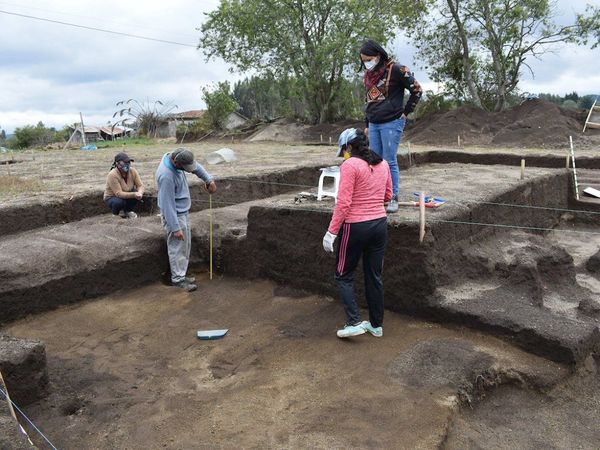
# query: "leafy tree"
{"points": [[589, 24], [38, 135], [2, 135], [266, 98], [219, 104], [569, 104], [146, 116], [586, 101], [572, 96], [432, 103], [487, 43], [314, 41]]}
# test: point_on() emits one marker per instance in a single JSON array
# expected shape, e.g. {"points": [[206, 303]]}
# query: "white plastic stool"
{"points": [[329, 172]]}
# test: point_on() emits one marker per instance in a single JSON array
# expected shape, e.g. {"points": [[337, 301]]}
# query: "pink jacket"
{"points": [[362, 191]]}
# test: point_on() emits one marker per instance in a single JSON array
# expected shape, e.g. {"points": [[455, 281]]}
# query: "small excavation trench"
{"points": [[490, 334]]}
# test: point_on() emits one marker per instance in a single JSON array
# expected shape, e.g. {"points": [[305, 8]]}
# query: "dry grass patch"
{"points": [[11, 184]]}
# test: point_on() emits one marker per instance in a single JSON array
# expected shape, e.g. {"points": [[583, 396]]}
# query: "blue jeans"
{"points": [[384, 139], [117, 204]]}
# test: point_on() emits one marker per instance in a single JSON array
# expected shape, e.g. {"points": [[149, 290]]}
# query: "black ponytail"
{"points": [[360, 149]]}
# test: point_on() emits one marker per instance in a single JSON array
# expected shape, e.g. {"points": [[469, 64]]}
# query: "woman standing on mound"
{"points": [[359, 218], [385, 112]]}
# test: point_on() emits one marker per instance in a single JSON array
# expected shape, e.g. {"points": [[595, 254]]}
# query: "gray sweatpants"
{"points": [[179, 250]]}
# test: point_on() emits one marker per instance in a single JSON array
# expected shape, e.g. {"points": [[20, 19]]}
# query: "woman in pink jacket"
{"points": [[359, 218]]}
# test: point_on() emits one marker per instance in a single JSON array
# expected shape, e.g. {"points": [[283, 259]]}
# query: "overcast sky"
{"points": [[51, 72]]}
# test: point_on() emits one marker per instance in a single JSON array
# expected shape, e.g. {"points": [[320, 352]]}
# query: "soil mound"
{"points": [[534, 123], [285, 130]]}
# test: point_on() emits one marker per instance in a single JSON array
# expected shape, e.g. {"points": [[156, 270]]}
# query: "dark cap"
{"points": [[185, 158], [122, 157]]}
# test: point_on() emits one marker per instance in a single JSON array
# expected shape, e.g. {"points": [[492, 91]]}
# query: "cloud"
{"points": [[51, 72]]}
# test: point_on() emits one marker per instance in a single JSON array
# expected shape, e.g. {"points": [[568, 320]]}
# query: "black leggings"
{"points": [[369, 240]]}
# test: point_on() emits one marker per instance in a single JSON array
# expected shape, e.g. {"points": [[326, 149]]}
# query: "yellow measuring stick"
{"points": [[210, 221]]}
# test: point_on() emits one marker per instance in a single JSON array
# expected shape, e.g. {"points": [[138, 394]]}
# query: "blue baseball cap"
{"points": [[345, 136]]}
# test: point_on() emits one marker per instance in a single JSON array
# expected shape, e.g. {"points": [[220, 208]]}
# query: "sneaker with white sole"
{"points": [[375, 331], [131, 215], [190, 279], [350, 330], [392, 206]]}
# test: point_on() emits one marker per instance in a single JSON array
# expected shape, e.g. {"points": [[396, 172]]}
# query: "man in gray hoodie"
{"points": [[174, 202]]}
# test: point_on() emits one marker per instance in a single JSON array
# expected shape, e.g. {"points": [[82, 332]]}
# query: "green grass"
{"points": [[126, 142]]}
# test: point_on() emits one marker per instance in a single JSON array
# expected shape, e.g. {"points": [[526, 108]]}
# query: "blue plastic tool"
{"points": [[429, 198]]}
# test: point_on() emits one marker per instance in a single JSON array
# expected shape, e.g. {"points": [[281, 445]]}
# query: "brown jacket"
{"points": [[117, 187]]}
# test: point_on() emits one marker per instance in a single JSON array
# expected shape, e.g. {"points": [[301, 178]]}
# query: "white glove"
{"points": [[328, 241]]}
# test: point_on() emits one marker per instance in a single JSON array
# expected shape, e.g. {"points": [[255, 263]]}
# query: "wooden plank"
{"points": [[589, 115]]}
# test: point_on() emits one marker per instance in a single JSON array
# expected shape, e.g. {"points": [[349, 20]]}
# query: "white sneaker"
{"points": [[131, 215], [350, 330], [392, 206], [377, 332]]}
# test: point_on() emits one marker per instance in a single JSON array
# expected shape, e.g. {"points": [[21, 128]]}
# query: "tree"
{"points": [[219, 104], [2, 135], [38, 135], [146, 116], [315, 41], [487, 43], [586, 101]]}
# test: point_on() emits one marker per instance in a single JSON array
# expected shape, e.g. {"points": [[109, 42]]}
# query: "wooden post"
{"points": [[568, 160], [329, 140], [459, 141], [321, 137], [409, 155], [421, 217], [82, 130], [522, 169]]}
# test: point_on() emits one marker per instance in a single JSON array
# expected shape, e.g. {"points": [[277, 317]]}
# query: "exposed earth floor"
{"points": [[128, 372]]}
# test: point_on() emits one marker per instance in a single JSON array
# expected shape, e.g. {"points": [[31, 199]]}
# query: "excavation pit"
{"points": [[126, 370]]}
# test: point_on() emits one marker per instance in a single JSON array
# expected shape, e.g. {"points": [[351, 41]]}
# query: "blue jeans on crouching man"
{"points": [[117, 204], [384, 139]]}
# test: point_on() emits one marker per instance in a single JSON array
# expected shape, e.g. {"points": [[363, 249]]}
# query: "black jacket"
{"points": [[386, 103]]}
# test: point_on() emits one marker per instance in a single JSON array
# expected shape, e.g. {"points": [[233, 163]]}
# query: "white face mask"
{"points": [[370, 65]]}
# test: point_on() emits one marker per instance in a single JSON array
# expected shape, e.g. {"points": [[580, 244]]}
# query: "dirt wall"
{"points": [[230, 191], [145, 266], [285, 245]]}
